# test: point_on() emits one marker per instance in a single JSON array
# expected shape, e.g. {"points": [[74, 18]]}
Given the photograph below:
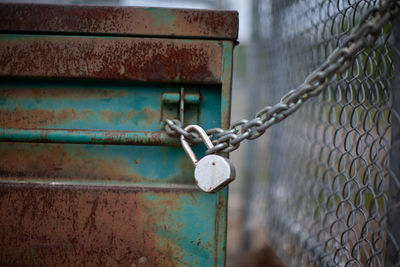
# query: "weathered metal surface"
{"points": [[75, 105], [90, 204], [88, 137], [119, 20], [47, 225], [116, 58], [124, 113]]}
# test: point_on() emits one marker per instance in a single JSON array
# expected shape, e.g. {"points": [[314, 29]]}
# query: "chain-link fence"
{"points": [[329, 191]]}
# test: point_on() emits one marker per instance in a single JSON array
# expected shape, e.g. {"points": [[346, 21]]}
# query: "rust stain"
{"points": [[213, 23], [57, 92], [89, 226], [150, 115], [119, 20], [120, 117], [138, 59], [33, 118], [155, 136], [149, 138], [55, 161]]}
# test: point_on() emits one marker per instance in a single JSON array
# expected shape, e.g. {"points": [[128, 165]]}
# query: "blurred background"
{"points": [[320, 188]]}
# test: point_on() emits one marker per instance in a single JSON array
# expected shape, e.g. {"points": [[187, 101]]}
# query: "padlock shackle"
{"points": [[203, 136]]}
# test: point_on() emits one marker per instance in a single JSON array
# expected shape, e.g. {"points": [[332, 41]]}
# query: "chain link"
{"points": [[363, 35]]}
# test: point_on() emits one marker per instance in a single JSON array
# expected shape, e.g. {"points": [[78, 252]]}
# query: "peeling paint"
{"points": [[112, 117], [120, 20], [57, 162], [156, 60], [33, 118], [95, 228], [60, 93]]}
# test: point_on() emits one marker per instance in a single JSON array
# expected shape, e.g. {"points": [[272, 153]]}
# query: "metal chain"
{"points": [[363, 35]]}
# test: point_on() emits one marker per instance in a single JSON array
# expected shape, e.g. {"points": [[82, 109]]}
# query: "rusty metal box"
{"points": [[88, 176]]}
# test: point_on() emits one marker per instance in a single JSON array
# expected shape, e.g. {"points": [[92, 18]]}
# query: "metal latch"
{"points": [[183, 105]]}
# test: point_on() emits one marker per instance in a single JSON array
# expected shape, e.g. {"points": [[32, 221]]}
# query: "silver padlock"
{"points": [[212, 172]]}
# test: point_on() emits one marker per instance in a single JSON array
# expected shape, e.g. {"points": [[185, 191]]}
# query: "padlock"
{"points": [[212, 172]]}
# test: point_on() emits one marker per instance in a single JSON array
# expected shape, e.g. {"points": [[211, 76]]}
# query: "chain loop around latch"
{"points": [[362, 36], [174, 127]]}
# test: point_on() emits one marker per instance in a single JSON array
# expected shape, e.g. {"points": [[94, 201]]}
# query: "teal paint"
{"points": [[87, 137], [171, 98], [162, 17], [106, 106], [194, 216], [174, 98], [137, 164], [221, 219], [192, 99], [101, 105]]}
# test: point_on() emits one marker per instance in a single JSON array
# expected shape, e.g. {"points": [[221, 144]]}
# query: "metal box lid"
{"points": [[158, 22]]}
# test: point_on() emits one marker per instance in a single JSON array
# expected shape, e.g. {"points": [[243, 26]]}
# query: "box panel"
{"points": [[106, 106], [99, 226]]}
